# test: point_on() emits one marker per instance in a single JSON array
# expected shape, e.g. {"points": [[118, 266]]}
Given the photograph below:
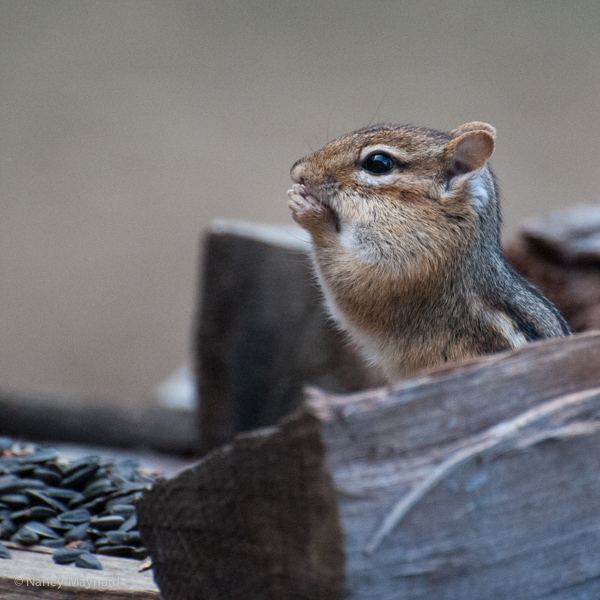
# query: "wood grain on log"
{"points": [[476, 481], [263, 332]]}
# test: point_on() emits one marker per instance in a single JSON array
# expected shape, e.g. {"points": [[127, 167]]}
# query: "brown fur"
{"points": [[411, 262]]}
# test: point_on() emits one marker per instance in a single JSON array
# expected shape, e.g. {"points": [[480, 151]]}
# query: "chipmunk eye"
{"points": [[379, 164]]}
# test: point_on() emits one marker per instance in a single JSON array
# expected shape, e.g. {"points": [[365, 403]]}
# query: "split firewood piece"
{"points": [[263, 332], [476, 481]]}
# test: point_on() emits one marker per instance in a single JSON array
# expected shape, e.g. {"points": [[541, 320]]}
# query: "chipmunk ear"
{"points": [[471, 148]]}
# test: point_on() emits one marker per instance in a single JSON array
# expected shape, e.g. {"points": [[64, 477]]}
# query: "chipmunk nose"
{"points": [[297, 172]]}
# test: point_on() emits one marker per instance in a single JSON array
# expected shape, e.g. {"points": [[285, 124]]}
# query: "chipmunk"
{"points": [[405, 228]]}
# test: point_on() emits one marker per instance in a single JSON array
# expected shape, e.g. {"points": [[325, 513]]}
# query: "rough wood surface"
{"points": [[560, 253], [36, 417], [32, 575], [265, 527], [262, 331], [478, 481]]}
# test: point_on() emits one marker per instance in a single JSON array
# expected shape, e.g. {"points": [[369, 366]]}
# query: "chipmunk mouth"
{"points": [[303, 190], [322, 195]]}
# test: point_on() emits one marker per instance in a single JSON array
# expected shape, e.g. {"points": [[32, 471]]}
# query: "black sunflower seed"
{"points": [[41, 529], [25, 536], [79, 515], [58, 542], [41, 455], [48, 476], [15, 501], [9, 483], [39, 513], [124, 538], [88, 561], [63, 494], [98, 488], [94, 534], [65, 556], [124, 510], [7, 528], [20, 469], [49, 502], [121, 498], [21, 516], [80, 478], [77, 533], [94, 505], [87, 546], [38, 498], [57, 525], [109, 523], [86, 461], [129, 524]]}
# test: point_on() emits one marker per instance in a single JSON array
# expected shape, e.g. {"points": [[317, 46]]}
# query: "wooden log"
{"points": [[567, 237], [474, 481], [262, 331], [560, 253], [33, 575], [96, 421]]}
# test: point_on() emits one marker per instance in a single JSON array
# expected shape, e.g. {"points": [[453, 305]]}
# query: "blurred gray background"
{"points": [[126, 126]]}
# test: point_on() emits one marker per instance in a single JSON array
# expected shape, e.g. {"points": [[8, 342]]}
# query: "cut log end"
{"points": [[272, 526]]}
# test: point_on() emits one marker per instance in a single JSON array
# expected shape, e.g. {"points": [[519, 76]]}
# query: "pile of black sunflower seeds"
{"points": [[82, 508]]}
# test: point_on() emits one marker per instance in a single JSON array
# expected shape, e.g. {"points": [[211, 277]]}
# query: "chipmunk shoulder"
{"points": [[405, 227]]}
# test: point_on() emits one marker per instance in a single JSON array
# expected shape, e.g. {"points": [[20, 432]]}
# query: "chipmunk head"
{"points": [[427, 189]]}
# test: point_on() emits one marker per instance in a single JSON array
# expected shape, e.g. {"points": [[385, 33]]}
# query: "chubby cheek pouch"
{"points": [[412, 196], [345, 178], [390, 196]]}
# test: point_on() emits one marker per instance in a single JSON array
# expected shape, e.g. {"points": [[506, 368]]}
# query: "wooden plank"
{"points": [[33, 575], [478, 481]]}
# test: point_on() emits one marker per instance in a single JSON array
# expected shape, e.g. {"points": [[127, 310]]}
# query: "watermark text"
{"points": [[80, 581]]}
